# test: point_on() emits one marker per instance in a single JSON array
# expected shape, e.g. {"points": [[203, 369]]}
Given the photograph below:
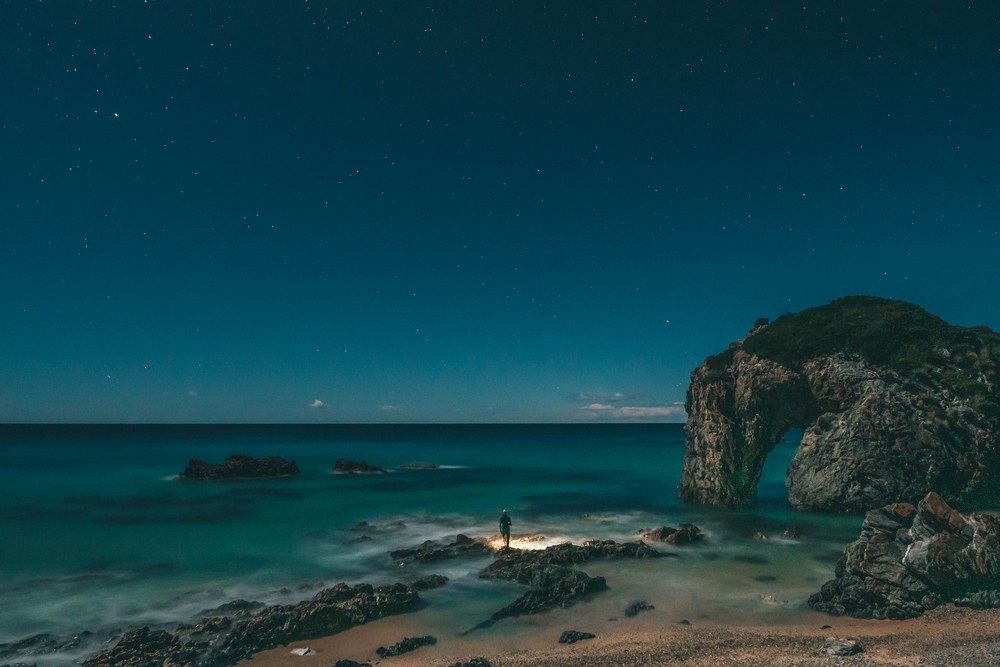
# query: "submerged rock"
{"points": [[893, 401], [636, 608], [419, 465], [911, 559], [349, 467], [239, 466]]}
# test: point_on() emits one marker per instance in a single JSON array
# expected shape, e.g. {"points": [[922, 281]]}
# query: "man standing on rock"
{"points": [[505, 529]]}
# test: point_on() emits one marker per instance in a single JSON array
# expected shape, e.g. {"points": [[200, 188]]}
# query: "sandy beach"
{"points": [[945, 636]]}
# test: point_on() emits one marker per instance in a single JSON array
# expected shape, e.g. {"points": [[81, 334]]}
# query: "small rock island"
{"points": [[239, 466], [893, 402]]}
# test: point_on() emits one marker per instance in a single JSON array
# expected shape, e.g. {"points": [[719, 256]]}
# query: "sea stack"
{"points": [[893, 402]]}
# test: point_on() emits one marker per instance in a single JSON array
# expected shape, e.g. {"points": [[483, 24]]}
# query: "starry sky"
{"points": [[464, 211]]}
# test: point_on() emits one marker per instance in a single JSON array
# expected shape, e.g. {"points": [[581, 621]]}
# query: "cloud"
{"points": [[389, 408], [601, 397], [626, 412], [652, 411], [318, 405]]}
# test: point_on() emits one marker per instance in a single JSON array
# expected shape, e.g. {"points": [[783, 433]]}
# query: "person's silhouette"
{"points": [[505, 529]]}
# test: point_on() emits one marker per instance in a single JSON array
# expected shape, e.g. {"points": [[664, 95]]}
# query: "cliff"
{"points": [[893, 402]]}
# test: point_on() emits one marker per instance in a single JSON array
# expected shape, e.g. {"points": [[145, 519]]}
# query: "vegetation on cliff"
{"points": [[895, 335]]}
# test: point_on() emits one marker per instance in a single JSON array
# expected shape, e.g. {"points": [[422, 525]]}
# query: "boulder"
{"points": [[893, 403], [349, 467], [836, 646], [684, 533], [909, 559], [239, 466]]}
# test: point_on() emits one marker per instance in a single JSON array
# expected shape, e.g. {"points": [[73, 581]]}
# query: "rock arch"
{"points": [[874, 431]]}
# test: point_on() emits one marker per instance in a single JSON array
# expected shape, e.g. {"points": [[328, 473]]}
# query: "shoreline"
{"points": [[947, 635]]}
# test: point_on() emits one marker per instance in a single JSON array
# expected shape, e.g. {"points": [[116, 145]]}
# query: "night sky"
{"points": [[470, 211]]}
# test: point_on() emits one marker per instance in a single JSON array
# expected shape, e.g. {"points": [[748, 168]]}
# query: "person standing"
{"points": [[505, 529]]}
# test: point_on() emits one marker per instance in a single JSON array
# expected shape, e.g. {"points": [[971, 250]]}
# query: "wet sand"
{"points": [[945, 636]]}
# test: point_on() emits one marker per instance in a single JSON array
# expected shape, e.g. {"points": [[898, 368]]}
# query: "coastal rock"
{"points": [[836, 646], [911, 559], [405, 646], [552, 582], [142, 647], [573, 636], [222, 641], [893, 403], [432, 552], [349, 467], [684, 533], [239, 466], [475, 662], [351, 663]]}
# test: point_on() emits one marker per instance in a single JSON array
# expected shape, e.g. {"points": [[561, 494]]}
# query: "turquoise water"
{"points": [[99, 535]]}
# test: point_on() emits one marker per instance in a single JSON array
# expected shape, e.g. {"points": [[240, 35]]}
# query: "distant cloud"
{"points": [[654, 411], [192, 392], [389, 408], [318, 405], [601, 397], [625, 412]]}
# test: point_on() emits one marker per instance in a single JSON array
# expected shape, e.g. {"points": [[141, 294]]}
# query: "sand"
{"points": [[945, 636]]}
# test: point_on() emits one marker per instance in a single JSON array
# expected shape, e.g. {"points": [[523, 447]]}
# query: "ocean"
{"points": [[98, 535]]}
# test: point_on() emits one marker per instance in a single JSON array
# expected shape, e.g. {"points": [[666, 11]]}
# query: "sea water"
{"points": [[98, 534]]}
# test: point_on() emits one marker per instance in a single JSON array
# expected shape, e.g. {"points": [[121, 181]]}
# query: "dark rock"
{"points": [[405, 646], [227, 640], [351, 663], [475, 662], [349, 467], [825, 627], [43, 644], [573, 636], [238, 466], [636, 608], [433, 552], [893, 403], [792, 532], [683, 621], [419, 466], [911, 559], [142, 647], [684, 533], [552, 582], [429, 582], [839, 647]]}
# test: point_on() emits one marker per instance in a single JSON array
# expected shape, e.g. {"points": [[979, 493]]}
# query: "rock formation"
{"points": [[552, 581], [911, 559], [349, 467], [225, 640], [893, 403], [239, 466]]}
